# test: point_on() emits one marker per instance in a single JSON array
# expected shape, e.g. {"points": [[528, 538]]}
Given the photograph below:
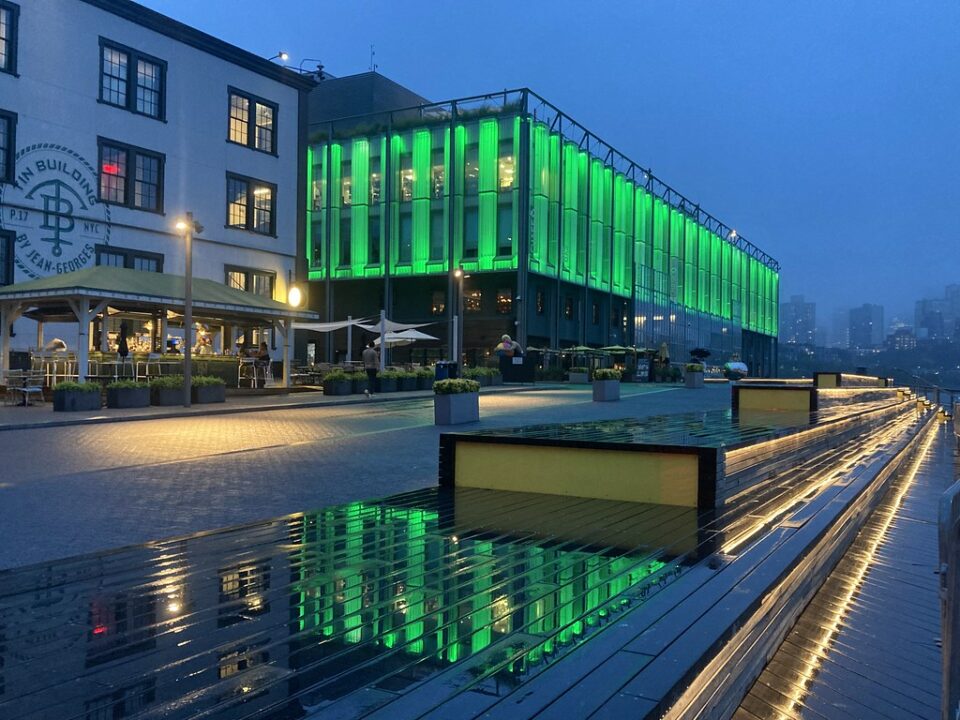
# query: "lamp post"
{"points": [[457, 331], [188, 226]]}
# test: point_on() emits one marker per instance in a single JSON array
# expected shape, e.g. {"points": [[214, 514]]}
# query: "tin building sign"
{"points": [[54, 211]]}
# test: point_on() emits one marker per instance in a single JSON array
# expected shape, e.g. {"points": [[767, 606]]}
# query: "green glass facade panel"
{"points": [[690, 233], [676, 256], [540, 182], [623, 199], [661, 241], [643, 246], [489, 155], [726, 280], [716, 254], [703, 269]]}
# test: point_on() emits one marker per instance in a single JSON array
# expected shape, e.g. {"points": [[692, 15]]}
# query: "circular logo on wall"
{"points": [[54, 211]]}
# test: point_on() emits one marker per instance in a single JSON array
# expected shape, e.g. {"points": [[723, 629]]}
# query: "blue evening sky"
{"points": [[827, 132]]}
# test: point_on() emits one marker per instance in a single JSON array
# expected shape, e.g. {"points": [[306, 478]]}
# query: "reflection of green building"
{"points": [[565, 240], [391, 590]]}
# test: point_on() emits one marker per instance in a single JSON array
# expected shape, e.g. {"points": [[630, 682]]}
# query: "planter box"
{"points": [[71, 400], [128, 397], [407, 384], [425, 383], [693, 380], [484, 380], [456, 409], [359, 386], [337, 387], [606, 390], [166, 396], [208, 394], [496, 379], [579, 378], [388, 385]]}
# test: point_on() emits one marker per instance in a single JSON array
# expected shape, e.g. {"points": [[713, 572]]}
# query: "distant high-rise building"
{"points": [[840, 328], [938, 318], [798, 321], [866, 326]]}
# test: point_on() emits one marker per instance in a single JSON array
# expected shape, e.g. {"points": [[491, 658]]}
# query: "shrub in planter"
{"points": [[166, 390], [477, 375], [606, 385], [693, 375], [336, 382], [70, 396], [207, 389], [389, 380], [676, 374], [456, 402], [425, 378], [358, 382], [407, 381], [579, 374], [128, 394]]}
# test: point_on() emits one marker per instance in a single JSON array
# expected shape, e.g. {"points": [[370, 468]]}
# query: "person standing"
{"points": [[262, 366], [371, 363]]}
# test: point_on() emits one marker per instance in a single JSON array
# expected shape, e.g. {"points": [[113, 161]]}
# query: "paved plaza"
{"points": [[85, 487]]}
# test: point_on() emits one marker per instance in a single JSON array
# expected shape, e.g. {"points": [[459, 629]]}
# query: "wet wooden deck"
{"points": [[867, 645]]}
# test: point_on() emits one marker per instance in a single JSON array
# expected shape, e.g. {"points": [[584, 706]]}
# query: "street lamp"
{"points": [[456, 336], [283, 56], [187, 227], [294, 296]]}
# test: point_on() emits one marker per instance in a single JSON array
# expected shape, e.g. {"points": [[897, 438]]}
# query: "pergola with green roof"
{"points": [[87, 293]]}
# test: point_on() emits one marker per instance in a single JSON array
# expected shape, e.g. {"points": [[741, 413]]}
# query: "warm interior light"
{"points": [[294, 297]]}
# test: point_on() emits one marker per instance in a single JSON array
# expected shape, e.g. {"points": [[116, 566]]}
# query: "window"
{"points": [[9, 14], [251, 205], [243, 593], [7, 238], [505, 230], [505, 168], [8, 146], [504, 301], [132, 80], [373, 238], [131, 176], [405, 251], [541, 303], [127, 258], [258, 282], [406, 177], [438, 303], [472, 301], [345, 240], [568, 308], [471, 232], [595, 314], [253, 121], [436, 235]]}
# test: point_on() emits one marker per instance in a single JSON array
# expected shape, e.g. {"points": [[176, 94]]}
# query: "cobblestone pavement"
{"points": [[69, 490]]}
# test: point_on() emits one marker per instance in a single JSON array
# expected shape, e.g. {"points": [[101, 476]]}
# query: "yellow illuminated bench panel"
{"points": [[649, 477]]}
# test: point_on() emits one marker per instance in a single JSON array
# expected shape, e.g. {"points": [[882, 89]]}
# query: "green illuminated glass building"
{"points": [[563, 240]]}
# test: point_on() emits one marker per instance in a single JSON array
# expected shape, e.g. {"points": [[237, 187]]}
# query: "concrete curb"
{"points": [[236, 410]]}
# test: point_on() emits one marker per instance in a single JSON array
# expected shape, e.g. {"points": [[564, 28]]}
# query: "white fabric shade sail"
{"points": [[405, 337]]}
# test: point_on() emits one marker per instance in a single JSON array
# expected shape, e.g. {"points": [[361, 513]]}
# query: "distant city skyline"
{"points": [[824, 132]]}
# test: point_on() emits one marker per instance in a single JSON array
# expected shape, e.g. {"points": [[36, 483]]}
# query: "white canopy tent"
{"points": [[383, 327], [405, 337]]}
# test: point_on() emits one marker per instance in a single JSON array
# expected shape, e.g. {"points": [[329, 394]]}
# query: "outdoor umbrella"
{"points": [[405, 337], [122, 348]]}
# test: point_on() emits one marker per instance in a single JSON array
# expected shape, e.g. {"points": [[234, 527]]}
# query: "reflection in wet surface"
{"points": [[339, 609]]}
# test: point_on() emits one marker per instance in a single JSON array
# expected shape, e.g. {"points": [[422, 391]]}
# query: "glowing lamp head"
{"points": [[284, 56], [458, 273], [181, 226], [294, 297]]}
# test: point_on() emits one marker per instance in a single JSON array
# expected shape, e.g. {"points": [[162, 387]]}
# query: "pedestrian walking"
{"points": [[371, 363]]}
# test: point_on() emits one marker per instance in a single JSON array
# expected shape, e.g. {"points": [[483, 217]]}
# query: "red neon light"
{"points": [[100, 630], [111, 168]]}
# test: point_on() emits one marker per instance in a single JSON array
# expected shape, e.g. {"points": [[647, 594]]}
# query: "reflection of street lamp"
{"points": [[188, 226]]}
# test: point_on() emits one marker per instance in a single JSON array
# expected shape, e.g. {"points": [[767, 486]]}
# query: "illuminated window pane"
{"points": [[239, 118], [438, 304], [113, 78], [506, 172], [113, 175], [472, 301], [236, 203], [237, 280], [504, 301], [147, 184], [263, 210], [264, 138], [149, 78]]}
